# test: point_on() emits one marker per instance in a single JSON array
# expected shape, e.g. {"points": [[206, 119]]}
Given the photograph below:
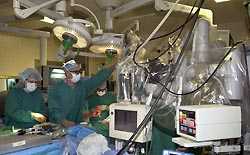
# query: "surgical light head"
{"points": [[73, 32], [108, 43]]}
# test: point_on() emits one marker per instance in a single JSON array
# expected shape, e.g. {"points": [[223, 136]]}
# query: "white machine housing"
{"points": [[208, 122], [125, 118]]}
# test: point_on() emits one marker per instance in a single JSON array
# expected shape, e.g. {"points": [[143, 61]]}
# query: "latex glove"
{"points": [[96, 112], [67, 123], [105, 122], [38, 117]]}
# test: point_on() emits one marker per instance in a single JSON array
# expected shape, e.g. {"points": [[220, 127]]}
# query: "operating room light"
{"points": [[108, 42], [77, 33], [57, 76], [220, 1], [47, 20], [60, 71], [70, 28]]}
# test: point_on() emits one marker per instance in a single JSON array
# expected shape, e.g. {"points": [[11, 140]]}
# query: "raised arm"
{"points": [[99, 78]]}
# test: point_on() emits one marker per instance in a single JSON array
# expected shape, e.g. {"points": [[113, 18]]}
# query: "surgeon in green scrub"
{"points": [[98, 105], [25, 105], [67, 97]]}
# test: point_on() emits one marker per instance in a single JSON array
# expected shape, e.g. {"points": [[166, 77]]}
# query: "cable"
{"points": [[142, 124], [206, 81], [222, 60], [179, 27], [154, 31], [178, 36], [183, 48], [159, 25], [150, 147], [211, 74], [149, 115], [152, 110], [154, 105]]}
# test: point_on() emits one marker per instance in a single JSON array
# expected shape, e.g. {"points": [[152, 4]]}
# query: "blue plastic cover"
{"points": [[66, 145]]}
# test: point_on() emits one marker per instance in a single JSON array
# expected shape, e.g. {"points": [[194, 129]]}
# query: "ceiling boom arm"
{"points": [[24, 13], [162, 5]]}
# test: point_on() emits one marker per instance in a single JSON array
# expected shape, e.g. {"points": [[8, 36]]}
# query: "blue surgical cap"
{"points": [[71, 65], [30, 73]]}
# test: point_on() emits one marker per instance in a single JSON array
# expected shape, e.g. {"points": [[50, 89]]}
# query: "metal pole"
{"points": [[43, 51]]}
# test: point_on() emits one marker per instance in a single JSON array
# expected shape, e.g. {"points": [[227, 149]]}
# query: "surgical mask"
{"points": [[101, 93], [30, 87], [75, 77]]}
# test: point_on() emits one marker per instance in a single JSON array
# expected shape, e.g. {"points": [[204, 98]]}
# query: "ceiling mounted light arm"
{"points": [[85, 22], [24, 13], [161, 5], [73, 4]]}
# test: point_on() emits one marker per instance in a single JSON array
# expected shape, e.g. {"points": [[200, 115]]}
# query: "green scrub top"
{"points": [[162, 140], [66, 102], [95, 121], [106, 99], [20, 104]]}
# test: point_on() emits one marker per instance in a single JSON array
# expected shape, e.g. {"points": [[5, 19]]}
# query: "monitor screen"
{"points": [[170, 152], [125, 120]]}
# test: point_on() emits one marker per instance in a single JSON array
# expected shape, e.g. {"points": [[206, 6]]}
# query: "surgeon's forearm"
{"points": [[98, 79], [54, 110], [56, 117], [67, 123], [107, 71], [22, 116], [104, 73], [111, 66]]}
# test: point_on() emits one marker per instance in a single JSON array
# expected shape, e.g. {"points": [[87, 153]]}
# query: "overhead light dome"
{"points": [[108, 42], [72, 29]]}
